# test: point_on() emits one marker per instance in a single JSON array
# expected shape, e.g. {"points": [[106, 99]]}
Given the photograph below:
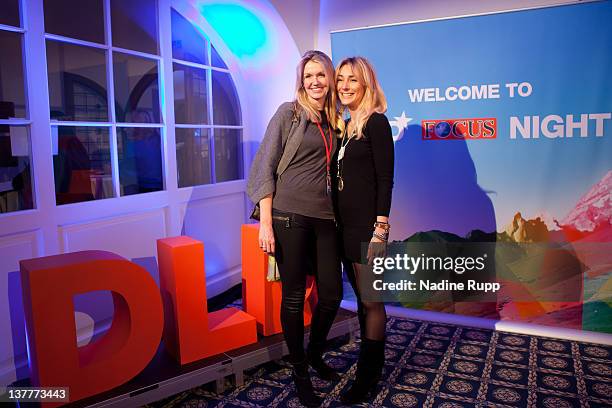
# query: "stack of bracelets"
{"points": [[384, 226]]}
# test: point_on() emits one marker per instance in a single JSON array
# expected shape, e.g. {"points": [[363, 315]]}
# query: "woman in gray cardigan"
{"points": [[290, 179]]}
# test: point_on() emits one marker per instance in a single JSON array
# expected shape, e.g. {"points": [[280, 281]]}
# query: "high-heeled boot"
{"points": [[322, 321], [315, 359], [369, 371], [303, 385]]}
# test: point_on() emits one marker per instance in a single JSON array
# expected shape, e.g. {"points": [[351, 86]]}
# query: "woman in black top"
{"points": [[364, 185]]}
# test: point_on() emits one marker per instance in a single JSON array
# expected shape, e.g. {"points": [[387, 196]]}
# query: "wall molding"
{"points": [[92, 225], [33, 237]]}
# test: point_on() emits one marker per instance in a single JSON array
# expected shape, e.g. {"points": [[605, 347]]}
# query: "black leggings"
{"points": [[307, 245]]}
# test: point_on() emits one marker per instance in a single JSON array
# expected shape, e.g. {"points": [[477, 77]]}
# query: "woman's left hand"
{"points": [[376, 249]]}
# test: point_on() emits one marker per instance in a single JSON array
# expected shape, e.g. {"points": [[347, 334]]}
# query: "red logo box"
{"points": [[459, 129]]}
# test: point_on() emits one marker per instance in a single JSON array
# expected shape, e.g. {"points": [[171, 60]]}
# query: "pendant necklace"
{"points": [[343, 145]]}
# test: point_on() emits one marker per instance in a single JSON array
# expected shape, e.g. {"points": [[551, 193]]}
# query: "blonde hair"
{"points": [[373, 97], [301, 97]]}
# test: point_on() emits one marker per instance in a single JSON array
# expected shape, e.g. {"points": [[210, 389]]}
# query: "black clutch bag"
{"points": [[255, 214]]}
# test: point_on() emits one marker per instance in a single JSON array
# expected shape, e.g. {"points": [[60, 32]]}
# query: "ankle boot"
{"points": [[369, 371], [315, 359], [303, 386]]}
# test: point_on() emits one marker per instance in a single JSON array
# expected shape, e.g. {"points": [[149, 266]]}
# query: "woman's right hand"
{"points": [[266, 237], [266, 233]]}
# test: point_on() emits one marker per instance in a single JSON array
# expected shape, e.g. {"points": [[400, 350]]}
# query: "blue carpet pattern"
{"points": [[442, 366]]}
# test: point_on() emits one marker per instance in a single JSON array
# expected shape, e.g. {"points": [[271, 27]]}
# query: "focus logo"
{"points": [[459, 129]]}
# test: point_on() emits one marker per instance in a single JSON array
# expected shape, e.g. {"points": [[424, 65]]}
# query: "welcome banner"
{"points": [[503, 133]]}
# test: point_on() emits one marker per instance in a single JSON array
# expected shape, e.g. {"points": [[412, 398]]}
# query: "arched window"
{"points": [[206, 109]]}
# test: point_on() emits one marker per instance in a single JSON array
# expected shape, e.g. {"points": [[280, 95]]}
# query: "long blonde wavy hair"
{"points": [[373, 97], [301, 97]]}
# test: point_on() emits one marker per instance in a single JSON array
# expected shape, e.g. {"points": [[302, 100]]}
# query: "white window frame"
{"points": [[46, 212], [22, 122], [209, 104], [112, 123]]}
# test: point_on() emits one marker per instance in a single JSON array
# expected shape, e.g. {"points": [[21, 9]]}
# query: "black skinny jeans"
{"points": [[306, 244]]}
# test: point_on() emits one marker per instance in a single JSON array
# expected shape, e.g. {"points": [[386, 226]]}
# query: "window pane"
{"points": [[216, 59], [136, 89], [140, 160], [226, 109], [228, 155], [9, 13], [190, 95], [82, 19], [134, 25], [77, 82], [12, 85], [82, 164], [15, 171], [187, 42], [192, 157]]}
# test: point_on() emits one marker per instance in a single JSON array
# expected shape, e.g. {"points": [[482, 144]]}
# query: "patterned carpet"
{"points": [[435, 365]]}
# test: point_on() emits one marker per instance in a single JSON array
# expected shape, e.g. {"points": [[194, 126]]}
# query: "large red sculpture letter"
{"points": [[261, 298], [49, 285], [191, 332]]}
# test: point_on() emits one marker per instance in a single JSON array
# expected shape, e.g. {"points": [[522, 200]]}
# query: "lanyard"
{"points": [[328, 148]]}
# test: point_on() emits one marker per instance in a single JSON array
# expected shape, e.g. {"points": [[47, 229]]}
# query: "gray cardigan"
{"points": [[280, 143]]}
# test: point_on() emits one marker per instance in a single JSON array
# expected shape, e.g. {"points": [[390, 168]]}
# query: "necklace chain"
{"points": [[343, 145]]}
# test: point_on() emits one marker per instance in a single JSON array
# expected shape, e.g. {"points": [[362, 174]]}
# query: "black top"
{"points": [[367, 172], [302, 188]]}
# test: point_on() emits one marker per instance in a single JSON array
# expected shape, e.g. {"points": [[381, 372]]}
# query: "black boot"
{"points": [[369, 371], [322, 320], [315, 359], [303, 386]]}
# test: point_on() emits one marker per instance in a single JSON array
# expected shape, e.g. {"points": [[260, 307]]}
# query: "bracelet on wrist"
{"points": [[382, 225], [382, 237]]}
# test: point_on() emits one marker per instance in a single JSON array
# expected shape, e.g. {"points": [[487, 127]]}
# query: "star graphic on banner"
{"points": [[400, 123]]}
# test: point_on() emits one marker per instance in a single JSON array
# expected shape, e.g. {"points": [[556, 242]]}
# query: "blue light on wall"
{"points": [[243, 32]]}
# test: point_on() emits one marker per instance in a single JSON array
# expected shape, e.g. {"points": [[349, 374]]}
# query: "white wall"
{"points": [[302, 20]]}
